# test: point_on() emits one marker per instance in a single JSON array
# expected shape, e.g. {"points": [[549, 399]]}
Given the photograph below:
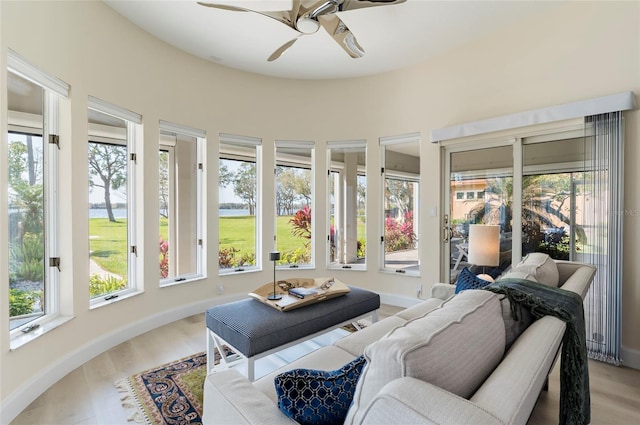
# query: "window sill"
{"points": [[103, 302], [166, 283], [399, 273], [46, 325], [348, 267], [238, 271]]}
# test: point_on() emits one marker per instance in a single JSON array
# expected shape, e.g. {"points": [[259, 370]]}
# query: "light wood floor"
{"points": [[87, 395]]}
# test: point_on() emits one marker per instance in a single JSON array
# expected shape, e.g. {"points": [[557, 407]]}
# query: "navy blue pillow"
{"points": [[468, 280], [316, 396]]}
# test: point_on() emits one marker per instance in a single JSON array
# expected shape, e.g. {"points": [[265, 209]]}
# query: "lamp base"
{"points": [[274, 297]]}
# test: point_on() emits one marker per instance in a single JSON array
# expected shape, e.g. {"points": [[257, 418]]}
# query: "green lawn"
{"points": [[109, 247]]}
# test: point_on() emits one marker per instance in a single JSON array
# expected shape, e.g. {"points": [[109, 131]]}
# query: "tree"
{"points": [[399, 195], [285, 190], [108, 170], [245, 187], [226, 177]]}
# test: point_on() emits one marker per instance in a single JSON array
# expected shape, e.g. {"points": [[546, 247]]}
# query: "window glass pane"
{"points": [[178, 199], [401, 202], [26, 235], [553, 199], [347, 200], [293, 204], [108, 204], [238, 206], [489, 174]]}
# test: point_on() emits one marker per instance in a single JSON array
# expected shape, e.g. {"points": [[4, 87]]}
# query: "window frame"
{"points": [[287, 160], [339, 168], [200, 140], [133, 131], [244, 142], [46, 126], [403, 175]]}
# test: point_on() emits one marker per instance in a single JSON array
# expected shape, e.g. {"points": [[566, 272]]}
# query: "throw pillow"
{"points": [[541, 266], [468, 280], [316, 396]]}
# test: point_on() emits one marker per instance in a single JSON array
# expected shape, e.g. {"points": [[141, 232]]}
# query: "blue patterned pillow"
{"points": [[316, 396], [468, 280]]}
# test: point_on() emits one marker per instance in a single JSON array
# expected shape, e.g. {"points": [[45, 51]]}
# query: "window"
{"points": [[33, 145], [112, 194], [470, 195], [294, 192], [459, 196], [180, 202], [401, 189], [347, 204], [239, 203]]}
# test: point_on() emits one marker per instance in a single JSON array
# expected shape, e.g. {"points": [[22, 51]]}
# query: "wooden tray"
{"points": [[319, 289]]}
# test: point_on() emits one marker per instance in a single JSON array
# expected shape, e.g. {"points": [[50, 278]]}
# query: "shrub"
{"points": [[20, 302], [26, 259], [99, 286], [164, 258], [301, 223], [297, 256], [399, 234], [227, 257]]}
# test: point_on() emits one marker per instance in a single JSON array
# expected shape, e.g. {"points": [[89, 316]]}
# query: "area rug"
{"points": [[171, 394]]}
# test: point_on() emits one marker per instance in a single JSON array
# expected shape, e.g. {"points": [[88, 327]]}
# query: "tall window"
{"points": [[32, 177], [238, 203], [294, 193], [401, 189], [347, 204], [180, 201], [112, 225]]}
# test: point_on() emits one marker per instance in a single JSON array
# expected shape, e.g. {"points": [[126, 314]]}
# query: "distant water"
{"points": [[122, 213]]}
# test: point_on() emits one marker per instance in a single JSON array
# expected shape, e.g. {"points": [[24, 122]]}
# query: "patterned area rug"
{"points": [[168, 394], [171, 394]]}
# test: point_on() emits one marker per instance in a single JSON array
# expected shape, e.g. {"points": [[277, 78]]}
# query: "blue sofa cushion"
{"points": [[316, 396]]}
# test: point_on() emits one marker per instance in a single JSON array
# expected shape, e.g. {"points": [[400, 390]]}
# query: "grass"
{"points": [[109, 247]]}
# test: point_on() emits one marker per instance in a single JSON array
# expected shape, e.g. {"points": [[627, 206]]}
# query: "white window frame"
{"points": [[331, 168], [255, 143], [290, 161], [133, 123], [200, 139], [47, 125], [384, 142]]}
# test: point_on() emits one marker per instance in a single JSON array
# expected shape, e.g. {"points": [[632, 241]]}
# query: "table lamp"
{"points": [[274, 256], [484, 247]]}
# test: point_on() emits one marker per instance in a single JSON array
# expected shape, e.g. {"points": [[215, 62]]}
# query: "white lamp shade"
{"points": [[484, 244]]}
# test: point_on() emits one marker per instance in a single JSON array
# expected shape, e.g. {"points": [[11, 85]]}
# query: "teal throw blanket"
{"points": [[543, 300]]}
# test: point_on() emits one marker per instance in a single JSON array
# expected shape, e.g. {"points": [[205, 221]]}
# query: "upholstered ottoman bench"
{"points": [[253, 330]]}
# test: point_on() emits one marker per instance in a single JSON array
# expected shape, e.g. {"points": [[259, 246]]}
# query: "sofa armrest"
{"points": [[442, 291], [412, 401], [229, 398]]}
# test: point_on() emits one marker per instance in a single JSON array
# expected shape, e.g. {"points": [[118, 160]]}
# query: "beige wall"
{"points": [[580, 51]]}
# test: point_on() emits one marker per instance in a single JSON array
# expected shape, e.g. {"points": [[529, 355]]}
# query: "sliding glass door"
{"points": [[533, 188]]}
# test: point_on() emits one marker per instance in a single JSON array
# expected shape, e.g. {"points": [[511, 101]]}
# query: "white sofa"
{"points": [[442, 361]]}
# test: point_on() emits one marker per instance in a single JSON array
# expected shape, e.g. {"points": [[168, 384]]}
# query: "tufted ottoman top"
{"points": [[253, 327]]}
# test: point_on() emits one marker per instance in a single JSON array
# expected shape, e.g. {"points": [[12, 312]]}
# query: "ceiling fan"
{"points": [[307, 19]]}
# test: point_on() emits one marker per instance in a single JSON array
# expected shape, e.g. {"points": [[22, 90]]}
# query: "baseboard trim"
{"points": [[398, 300], [18, 400], [630, 358]]}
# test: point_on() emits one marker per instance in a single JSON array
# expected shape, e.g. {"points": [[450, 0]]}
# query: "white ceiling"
{"points": [[392, 36]]}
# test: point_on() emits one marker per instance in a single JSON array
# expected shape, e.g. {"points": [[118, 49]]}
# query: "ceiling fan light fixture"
{"points": [[307, 25]]}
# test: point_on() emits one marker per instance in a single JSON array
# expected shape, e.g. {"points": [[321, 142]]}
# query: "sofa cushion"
{"points": [[468, 280], [541, 266], [318, 397], [454, 347]]}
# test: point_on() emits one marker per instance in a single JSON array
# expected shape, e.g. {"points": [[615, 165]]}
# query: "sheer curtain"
{"points": [[603, 217]]}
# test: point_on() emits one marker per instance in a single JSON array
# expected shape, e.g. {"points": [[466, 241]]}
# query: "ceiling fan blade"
{"points": [[341, 34], [287, 17], [280, 50], [361, 4]]}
